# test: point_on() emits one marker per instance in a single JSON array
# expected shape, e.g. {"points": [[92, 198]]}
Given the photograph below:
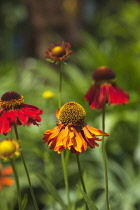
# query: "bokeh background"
{"points": [[101, 33]]}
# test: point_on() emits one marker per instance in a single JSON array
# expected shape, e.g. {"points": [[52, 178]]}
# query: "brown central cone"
{"points": [[10, 95], [11, 100], [103, 73], [71, 112]]}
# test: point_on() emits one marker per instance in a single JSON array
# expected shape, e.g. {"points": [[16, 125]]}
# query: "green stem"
{"points": [[64, 163], [81, 177], [17, 183], [104, 160], [65, 172], [60, 84], [27, 173]]}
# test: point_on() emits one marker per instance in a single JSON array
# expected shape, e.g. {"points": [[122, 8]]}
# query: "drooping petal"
{"points": [[52, 133], [88, 130], [30, 110], [105, 92], [117, 95], [79, 143], [90, 136], [97, 96], [5, 124], [21, 117], [90, 94], [10, 115]]}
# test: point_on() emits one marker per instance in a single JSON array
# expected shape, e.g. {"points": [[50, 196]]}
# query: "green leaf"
{"points": [[50, 187], [89, 202], [24, 201]]}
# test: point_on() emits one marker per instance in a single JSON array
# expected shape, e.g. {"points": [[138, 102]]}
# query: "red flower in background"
{"points": [[15, 112], [58, 52], [4, 179], [104, 90]]}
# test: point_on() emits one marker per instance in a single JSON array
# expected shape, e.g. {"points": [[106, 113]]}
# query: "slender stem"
{"points": [[27, 173], [81, 177], [64, 163], [60, 84], [65, 172], [17, 183], [104, 160]]}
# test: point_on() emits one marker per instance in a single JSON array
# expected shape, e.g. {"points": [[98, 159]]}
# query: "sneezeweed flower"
{"points": [[71, 131], [4, 179], [58, 52], [105, 90], [9, 148], [48, 94], [14, 112]]}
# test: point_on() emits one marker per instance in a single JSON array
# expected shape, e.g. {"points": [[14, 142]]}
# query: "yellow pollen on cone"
{"points": [[71, 112], [11, 104], [58, 51]]}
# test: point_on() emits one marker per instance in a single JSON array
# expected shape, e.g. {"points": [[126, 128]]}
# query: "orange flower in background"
{"points": [[4, 179], [104, 90], [71, 131], [14, 111], [58, 52]]}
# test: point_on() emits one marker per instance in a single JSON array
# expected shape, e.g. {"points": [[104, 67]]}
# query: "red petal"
{"points": [[21, 117], [97, 96], [5, 125], [117, 95], [31, 110]]}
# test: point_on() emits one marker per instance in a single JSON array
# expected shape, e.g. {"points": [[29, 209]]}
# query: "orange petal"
{"points": [[79, 142], [7, 181], [7, 170], [95, 131], [57, 113], [60, 138]]}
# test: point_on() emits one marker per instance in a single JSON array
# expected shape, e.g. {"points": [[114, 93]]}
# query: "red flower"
{"points": [[14, 111], [58, 52], [72, 132], [4, 180], [104, 90]]}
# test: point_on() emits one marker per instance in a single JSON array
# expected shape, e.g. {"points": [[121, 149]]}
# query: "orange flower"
{"points": [[71, 131], [4, 180], [58, 52]]}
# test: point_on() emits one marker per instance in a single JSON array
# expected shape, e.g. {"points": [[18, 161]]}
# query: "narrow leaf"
{"points": [[24, 201], [89, 202]]}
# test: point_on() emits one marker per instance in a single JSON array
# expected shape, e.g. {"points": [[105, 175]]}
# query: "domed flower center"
{"points": [[58, 51], [103, 73], [71, 113], [7, 148], [11, 100]]}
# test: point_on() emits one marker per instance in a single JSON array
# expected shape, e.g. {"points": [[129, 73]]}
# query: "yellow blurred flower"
{"points": [[47, 94], [9, 148]]}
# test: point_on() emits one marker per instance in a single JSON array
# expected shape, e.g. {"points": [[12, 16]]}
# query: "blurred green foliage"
{"points": [[115, 44]]}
